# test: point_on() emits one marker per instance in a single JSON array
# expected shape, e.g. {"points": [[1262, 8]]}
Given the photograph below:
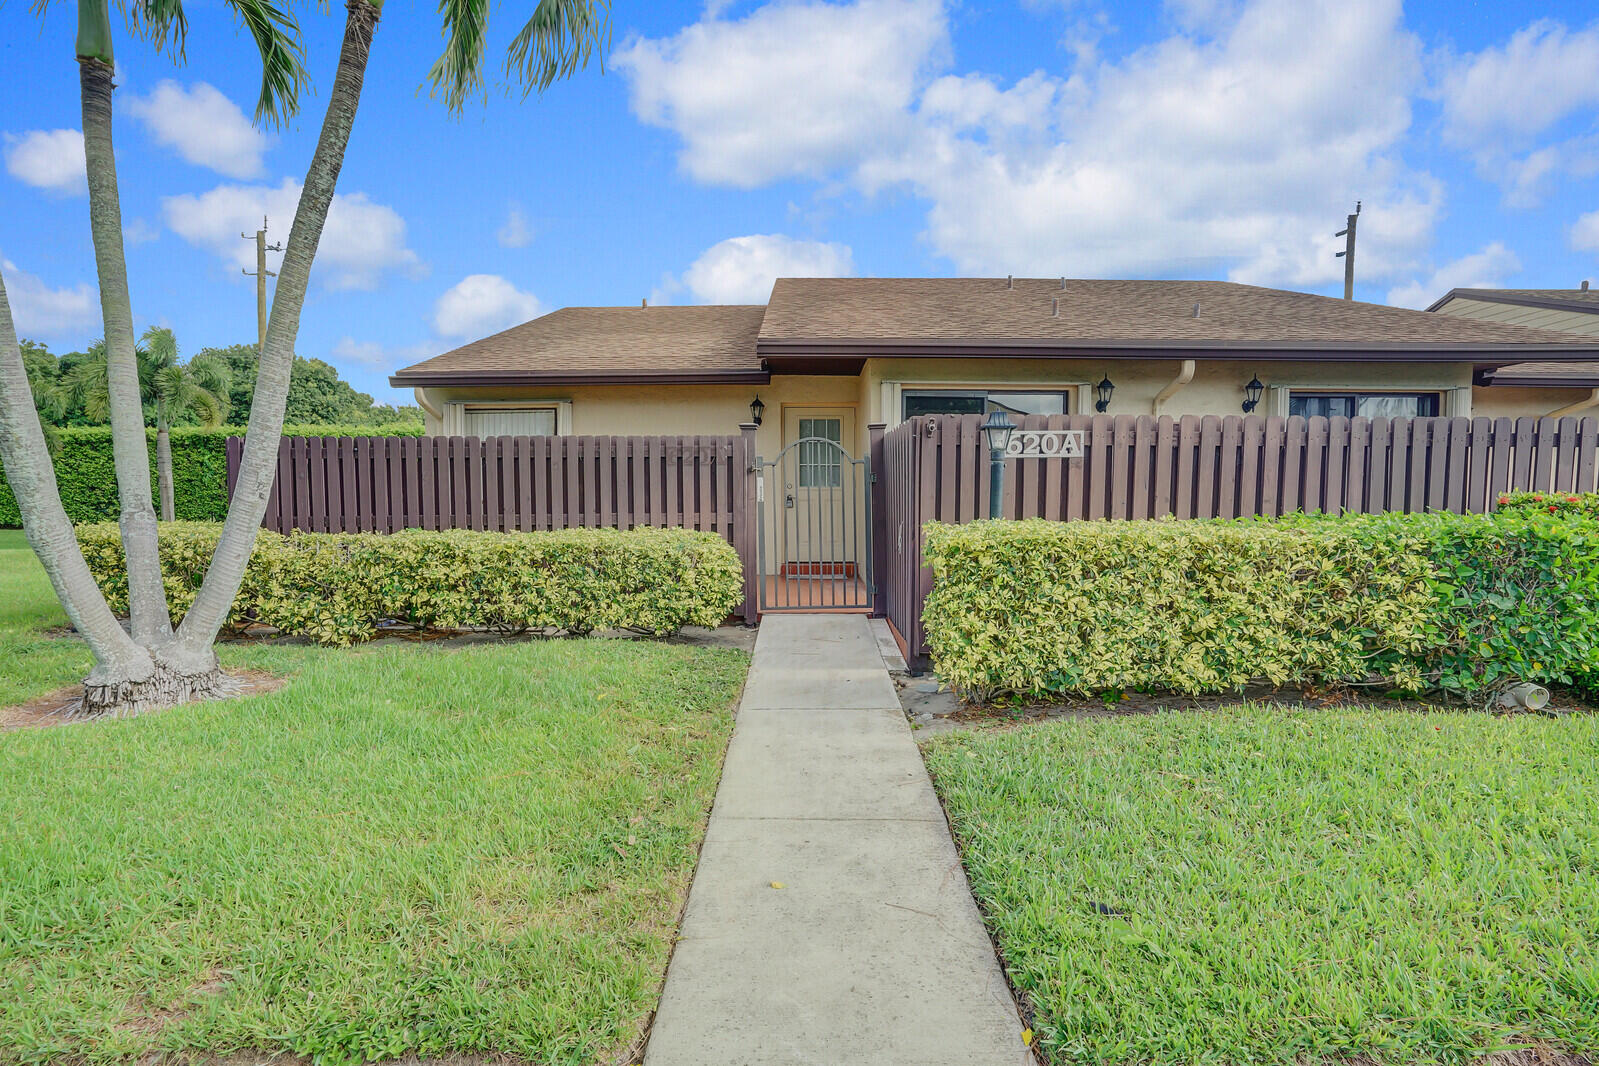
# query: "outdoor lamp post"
{"points": [[1252, 393], [1104, 389], [998, 429], [757, 408]]}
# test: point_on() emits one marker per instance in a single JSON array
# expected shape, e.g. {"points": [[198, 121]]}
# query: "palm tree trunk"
{"points": [[147, 603], [163, 463], [33, 479], [258, 464]]}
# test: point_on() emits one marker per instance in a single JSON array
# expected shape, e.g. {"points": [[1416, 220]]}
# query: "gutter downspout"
{"points": [[1580, 405], [1184, 376], [427, 408]]}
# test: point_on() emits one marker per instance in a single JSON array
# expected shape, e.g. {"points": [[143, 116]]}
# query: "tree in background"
{"points": [[153, 666], [317, 395], [196, 392]]}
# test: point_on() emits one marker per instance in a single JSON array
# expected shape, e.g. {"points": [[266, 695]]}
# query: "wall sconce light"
{"points": [[1252, 393], [1103, 390], [757, 409]]}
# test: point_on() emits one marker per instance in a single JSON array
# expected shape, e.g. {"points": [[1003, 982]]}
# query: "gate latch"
{"points": [[788, 501]]}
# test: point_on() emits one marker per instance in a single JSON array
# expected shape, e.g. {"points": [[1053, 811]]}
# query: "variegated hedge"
{"points": [[337, 588], [1414, 603]]}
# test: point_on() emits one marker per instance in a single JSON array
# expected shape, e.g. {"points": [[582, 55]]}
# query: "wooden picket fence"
{"points": [[937, 468], [508, 484]]}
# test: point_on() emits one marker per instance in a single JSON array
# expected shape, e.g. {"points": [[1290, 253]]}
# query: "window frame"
{"points": [[1355, 395], [817, 458], [982, 394]]}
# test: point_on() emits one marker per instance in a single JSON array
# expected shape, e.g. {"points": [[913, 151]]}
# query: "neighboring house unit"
{"points": [[828, 356], [1544, 387]]}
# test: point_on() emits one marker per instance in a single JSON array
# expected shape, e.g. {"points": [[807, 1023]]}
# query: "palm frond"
{"points": [[162, 22], [85, 385], [458, 72], [169, 384], [557, 41], [282, 47], [162, 345], [206, 405], [212, 375]]}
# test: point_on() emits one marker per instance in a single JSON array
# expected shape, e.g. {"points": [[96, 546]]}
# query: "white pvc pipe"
{"points": [[422, 402], [1184, 376], [1580, 405]]}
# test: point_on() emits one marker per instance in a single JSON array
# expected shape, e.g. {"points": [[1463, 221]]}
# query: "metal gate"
{"points": [[813, 539]]}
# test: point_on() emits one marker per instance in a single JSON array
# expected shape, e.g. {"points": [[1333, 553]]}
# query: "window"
{"points": [[819, 464], [492, 421], [982, 401], [1365, 404]]}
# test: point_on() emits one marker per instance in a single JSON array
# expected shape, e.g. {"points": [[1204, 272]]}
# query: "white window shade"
{"points": [[508, 419]]}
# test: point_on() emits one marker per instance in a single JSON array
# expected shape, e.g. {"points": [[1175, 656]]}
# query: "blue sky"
{"points": [[729, 143]]}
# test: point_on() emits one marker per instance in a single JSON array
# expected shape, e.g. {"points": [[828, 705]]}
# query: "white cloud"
{"points": [[791, 89], [740, 270], [361, 242], [480, 304], [47, 159], [367, 353], [40, 311], [517, 232], [204, 126], [1234, 146], [138, 231], [1505, 106], [1484, 269], [1585, 233]]}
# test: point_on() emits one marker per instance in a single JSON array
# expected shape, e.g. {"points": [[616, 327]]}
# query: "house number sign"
{"points": [[1045, 444]]}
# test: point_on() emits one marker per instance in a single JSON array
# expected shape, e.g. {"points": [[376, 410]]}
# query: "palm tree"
{"points": [[157, 667], [171, 389]]}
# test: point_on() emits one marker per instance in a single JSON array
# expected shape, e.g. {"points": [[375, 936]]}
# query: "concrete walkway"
{"points": [[872, 950]]}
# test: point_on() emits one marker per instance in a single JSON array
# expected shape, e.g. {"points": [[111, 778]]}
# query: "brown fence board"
{"points": [[1138, 466]]}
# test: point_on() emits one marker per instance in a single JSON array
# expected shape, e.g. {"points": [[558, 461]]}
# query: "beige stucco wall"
{"points": [[651, 410], [1217, 389], [1509, 402]]}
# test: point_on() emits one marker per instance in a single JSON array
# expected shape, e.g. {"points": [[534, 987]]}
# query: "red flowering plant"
{"points": [[1556, 503]]}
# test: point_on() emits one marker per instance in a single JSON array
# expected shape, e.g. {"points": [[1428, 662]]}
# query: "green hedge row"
{"points": [[337, 588], [1453, 603], [1567, 503], [87, 478]]}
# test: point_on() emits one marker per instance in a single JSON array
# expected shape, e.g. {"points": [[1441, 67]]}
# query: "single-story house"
{"points": [[1542, 385], [829, 356]]}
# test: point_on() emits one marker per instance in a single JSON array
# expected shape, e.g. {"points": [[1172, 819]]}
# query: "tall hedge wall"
{"points": [[87, 476]]}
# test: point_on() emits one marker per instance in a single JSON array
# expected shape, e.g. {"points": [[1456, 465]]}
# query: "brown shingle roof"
{"points": [[813, 323], [616, 343], [1159, 313]]}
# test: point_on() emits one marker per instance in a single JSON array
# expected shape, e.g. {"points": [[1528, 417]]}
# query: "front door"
{"points": [[815, 523]]}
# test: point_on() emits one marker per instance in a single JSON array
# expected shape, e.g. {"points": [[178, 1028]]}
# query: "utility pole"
{"points": [[1348, 254], [260, 275]]}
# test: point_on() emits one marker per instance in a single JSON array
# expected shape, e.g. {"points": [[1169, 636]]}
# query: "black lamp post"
{"points": [[1104, 389], [997, 429], [1252, 393], [757, 408]]}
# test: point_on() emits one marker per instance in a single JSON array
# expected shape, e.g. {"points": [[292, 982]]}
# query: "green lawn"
{"points": [[406, 848], [1270, 886]]}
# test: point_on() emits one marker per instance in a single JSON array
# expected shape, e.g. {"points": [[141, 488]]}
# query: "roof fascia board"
{"points": [[1428, 351], [478, 379]]}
